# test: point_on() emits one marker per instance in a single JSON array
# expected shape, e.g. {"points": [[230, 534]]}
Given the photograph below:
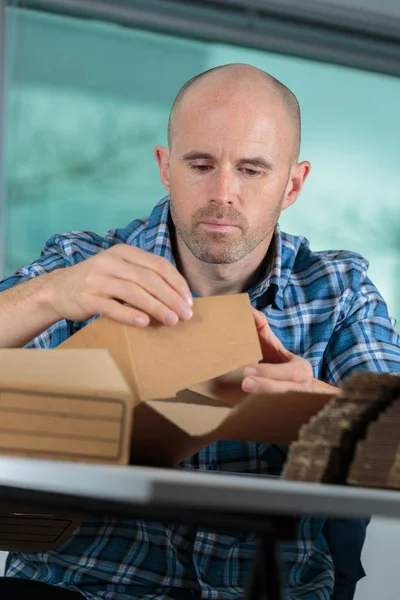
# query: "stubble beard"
{"points": [[219, 248]]}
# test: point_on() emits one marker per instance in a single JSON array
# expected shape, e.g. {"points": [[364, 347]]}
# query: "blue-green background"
{"points": [[87, 102]]}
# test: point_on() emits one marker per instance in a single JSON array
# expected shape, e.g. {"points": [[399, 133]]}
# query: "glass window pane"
{"points": [[87, 102]]}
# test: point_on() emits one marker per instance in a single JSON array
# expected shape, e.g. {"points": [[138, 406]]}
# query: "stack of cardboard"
{"points": [[355, 437]]}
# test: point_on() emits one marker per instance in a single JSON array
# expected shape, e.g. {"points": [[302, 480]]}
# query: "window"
{"points": [[87, 102]]}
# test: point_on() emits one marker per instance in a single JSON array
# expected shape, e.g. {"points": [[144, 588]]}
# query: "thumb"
{"points": [[273, 350]]}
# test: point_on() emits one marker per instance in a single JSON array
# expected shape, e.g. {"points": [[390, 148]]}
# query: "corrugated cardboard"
{"points": [[29, 529], [118, 394]]}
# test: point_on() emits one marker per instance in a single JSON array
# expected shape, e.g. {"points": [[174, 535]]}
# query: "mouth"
{"points": [[214, 225]]}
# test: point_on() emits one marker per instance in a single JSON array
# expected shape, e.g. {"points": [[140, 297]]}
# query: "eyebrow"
{"points": [[255, 161]]}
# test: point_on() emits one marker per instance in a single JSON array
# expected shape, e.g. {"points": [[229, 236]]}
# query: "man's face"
{"points": [[228, 174]]}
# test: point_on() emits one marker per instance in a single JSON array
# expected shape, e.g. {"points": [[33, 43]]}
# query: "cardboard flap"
{"points": [[228, 393], [158, 442], [77, 372], [193, 413], [106, 334], [169, 431], [158, 361], [273, 418]]}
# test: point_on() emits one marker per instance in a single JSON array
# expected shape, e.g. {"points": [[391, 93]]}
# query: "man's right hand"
{"points": [[124, 283]]}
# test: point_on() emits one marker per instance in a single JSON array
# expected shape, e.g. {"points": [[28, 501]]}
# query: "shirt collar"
{"points": [[284, 252], [266, 290], [278, 267], [157, 237]]}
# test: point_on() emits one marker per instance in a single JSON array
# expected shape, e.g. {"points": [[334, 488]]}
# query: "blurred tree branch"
{"points": [[94, 155]]}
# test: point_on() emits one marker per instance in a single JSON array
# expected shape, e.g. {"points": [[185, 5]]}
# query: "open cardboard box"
{"points": [[179, 408], [118, 394]]}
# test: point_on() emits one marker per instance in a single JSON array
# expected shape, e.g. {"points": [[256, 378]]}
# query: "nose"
{"points": [[224, 187]]}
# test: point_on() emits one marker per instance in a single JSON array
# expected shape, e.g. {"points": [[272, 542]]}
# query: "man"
{"points": [[230, 169]]}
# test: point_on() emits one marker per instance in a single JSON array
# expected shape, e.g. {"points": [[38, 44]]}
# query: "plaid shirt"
{"points": [[324, 308]]}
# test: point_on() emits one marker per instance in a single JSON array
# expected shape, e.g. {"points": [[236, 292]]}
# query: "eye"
{"points": [[201, 168], [251, 172]]}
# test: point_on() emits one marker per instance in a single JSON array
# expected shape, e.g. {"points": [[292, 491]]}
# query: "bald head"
{"points": [[254, 82]]}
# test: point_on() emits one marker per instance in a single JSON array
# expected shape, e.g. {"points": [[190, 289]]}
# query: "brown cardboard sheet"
{"points": [[172, 430], [158, 361]]}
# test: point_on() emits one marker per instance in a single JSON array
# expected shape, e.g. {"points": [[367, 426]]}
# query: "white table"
{"points": [[263, 505]]}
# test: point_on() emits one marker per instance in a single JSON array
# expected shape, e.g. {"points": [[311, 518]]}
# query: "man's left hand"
{"points": [[280, 370]]}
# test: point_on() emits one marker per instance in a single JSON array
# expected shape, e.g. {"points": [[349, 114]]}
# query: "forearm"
{"points": [[26, 310]]}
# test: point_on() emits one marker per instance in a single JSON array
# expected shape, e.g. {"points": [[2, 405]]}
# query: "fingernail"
{"points": [[188, 299], [186, 314], [171, 318], [141, 321], [249, 385], [250, 371]]}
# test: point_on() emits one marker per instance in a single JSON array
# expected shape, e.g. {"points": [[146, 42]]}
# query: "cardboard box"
{"points": [[118, 394], [173, 375], [162, 364], [71, 405]]}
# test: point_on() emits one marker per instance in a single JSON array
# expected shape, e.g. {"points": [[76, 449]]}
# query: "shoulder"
{"points": [[76, 246], [67, 249], [338, 269]]}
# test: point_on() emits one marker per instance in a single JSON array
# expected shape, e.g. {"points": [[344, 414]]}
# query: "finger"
{"points": [[264, 329], [269, 386], [158, 264], [297, 370], [121, 313], [272, 348], [155, 285], [135, 296], [259, 318], [231, 379]]}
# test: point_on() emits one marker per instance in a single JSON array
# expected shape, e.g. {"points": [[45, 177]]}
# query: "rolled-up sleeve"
{"points": [[60, 251]]}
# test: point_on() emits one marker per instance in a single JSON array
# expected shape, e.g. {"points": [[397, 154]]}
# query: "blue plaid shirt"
{"points": [[323, 307]]}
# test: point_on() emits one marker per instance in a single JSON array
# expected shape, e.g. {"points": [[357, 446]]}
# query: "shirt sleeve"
{"points": [[61, 250], [364, 339]]}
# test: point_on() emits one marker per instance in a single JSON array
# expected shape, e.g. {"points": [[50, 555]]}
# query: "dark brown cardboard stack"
{"points": [[326, 446], [377, 458]]}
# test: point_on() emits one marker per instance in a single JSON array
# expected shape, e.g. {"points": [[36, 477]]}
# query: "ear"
{"points": [[162, 158], [299, 174]]}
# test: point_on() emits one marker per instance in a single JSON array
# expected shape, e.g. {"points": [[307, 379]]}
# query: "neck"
{"points": [[207, 279]]}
